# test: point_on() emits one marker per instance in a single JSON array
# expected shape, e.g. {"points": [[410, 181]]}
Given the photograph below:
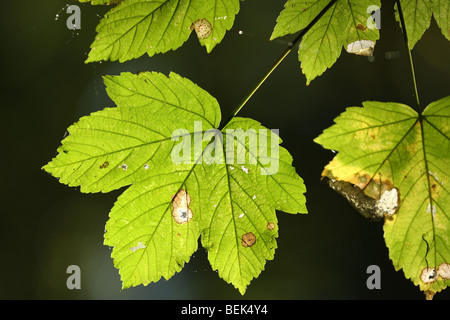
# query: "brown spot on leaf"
{"points": [[361, 27], [180, 207], [248, 239], [202, 27], [271, 226], [104, 165]]}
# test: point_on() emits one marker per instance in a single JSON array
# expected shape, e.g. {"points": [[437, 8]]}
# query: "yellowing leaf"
{"points": [[400, 160]]}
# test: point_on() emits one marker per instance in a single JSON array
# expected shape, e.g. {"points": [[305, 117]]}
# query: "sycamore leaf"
{"points": [[441, 13], [344, 23], [188, 179], [136, 27], [113, 141], [400, 161], [417, 15]]}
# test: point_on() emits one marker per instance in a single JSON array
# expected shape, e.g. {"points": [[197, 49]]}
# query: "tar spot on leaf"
{"points": [[180, 207], [248, 239], [428, 275], [202, 27], [104, 165]]}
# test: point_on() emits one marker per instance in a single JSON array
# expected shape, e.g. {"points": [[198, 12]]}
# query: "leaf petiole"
{"points": [[411, 64], [276, 64]]}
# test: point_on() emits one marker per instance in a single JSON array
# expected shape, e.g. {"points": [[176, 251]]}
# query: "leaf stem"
{"points": [[411, 64], [276, 64]]}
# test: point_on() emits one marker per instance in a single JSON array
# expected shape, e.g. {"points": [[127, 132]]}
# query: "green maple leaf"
{"points": [[343, 24], [136, 27], [394, 164], [417, 15], [163, 140]]}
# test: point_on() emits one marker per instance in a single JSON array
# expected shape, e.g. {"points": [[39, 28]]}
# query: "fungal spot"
{"points": [[388, 202], [428, 275], [361, 27], [271, 226], [140, 245], [146, 166], [124, 166], [244, 169], [180, 207], [248, 240], [202, 27], [104, 165], [444, 270], [361, 47]]}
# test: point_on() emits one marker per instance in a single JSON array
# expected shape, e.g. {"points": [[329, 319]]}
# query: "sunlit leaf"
{"points": [[401, 160], [345, 22], [136, 27], [188, 179], [417, 15]]}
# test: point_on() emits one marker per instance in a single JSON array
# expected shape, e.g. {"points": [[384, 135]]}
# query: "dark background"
{"points": [[46, 86]]}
